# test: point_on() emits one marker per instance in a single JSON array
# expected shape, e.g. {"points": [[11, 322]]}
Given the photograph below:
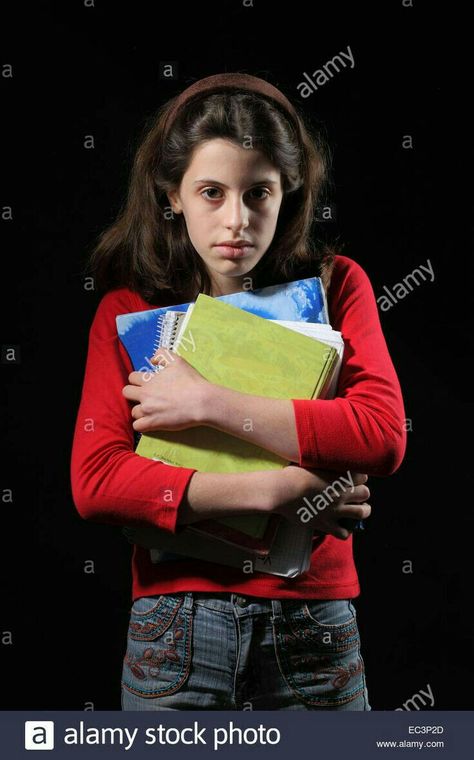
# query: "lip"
{"points": [[235, 243], [234, 252]]}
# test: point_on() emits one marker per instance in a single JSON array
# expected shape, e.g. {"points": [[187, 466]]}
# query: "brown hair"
{"points": [[147, 248]]}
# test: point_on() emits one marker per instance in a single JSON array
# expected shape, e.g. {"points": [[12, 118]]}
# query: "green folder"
{"points": [[240, 350]]}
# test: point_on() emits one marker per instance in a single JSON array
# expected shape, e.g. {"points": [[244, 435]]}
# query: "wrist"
{"points": [[206, 403], [210, 402], [279, 488]]}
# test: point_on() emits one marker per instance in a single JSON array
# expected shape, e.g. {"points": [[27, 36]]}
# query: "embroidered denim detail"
{"points": [[146, 626], [155, 670], [265, 654], [320, 661]]}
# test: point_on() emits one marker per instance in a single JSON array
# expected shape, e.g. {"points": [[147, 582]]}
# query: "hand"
{"points": [[170, 399], [320, 498]]}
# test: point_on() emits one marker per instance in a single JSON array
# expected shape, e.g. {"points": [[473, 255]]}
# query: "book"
{"points": [[274, 361], [250, 354], [254, 532], [302, 300], [290, 554], [141, 333], [304, 305]]}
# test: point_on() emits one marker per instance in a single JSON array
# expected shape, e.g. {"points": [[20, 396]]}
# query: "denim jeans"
{"points": [[195, 650]]}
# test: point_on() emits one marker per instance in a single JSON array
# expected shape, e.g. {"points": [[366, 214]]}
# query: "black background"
{"points": [[81, 71]]}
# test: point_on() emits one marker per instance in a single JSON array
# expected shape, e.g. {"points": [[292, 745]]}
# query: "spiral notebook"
{"points": [[284, 547], [167, 328], [255, 533], [141, 333]]}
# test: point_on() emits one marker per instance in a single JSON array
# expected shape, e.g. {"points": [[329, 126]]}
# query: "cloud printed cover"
{"points": [[299, 301]]}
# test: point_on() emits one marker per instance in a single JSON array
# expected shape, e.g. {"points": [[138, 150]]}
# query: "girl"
{"points": [[222, 197]]}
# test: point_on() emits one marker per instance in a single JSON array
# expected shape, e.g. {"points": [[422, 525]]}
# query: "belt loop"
{"points": [[188, 600], [276, 608]]}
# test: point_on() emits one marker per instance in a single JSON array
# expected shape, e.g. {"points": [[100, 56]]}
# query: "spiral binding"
{"points": [[167, 329]]}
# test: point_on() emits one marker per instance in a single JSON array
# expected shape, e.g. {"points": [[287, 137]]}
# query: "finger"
{"points": [[360, 493], [141, 425], [137, 412], [138, 378], [359, 478], [356, 511], [162, 356], [132, 392]]}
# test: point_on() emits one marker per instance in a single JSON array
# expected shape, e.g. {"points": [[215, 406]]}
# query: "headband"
{"points": [[231, 81]]}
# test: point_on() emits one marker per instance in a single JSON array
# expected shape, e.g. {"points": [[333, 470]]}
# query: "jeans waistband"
{"points": [[228, 601]]}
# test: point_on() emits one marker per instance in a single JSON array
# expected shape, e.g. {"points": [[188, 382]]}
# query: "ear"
{"points": [[173, 197]]}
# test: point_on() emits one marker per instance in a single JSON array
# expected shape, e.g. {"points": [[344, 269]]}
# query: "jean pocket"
{"points": [[158, 657], [329, 614], [317, 644], [145, 604]]}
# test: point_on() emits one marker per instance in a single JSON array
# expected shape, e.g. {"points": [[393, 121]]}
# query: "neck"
{"points": [[226, 287]]}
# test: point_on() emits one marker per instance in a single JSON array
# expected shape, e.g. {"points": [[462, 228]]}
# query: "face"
{"points": [[229, 193]]}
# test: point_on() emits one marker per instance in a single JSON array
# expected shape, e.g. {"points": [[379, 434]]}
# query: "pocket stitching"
{"points": [[156, 628], [298, 690], [308, 615], [182, 675], [285, 668], [146, 612]]}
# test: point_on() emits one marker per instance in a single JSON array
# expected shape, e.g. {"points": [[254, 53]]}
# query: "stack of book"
{"points": [[275, 342]]}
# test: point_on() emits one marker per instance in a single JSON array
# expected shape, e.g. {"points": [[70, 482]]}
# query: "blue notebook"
{"points": [[299, 301]]}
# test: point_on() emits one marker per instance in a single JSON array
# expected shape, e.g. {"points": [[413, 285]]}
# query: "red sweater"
{"points": [[361, 430]]}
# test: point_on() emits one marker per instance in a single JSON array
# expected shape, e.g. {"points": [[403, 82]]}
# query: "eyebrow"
{"points": [[264, 181]]}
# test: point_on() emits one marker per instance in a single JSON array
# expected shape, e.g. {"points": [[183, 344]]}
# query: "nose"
{"points": [[236, 214]]}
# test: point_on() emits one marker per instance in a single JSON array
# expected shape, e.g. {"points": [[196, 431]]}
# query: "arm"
{"points": [[266, 422], [225, 494], [110, 482], [362, 428]]}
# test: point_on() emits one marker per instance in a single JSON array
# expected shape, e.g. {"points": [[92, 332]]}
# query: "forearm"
{"points": [[227, 494], [266, 422]]}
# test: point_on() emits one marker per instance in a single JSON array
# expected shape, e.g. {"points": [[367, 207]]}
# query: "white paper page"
{"points": [[289, 555], [325, 334]]}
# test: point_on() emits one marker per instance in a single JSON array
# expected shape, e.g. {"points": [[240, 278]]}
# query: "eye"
{"points": [[261, 190], [210, 190], [253, 190]]}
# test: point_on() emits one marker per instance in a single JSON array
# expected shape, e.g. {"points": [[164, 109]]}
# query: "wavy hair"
{"points": [[147, 248]]}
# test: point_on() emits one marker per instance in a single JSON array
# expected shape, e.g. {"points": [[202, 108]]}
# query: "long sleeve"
{"points": [[110, 483], [362, 429]]}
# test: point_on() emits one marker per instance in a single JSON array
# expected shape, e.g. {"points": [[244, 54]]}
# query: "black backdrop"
{"points": [[81, 70]]}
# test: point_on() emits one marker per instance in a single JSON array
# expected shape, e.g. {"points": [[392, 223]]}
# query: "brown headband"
{"points": [[234, 81]]}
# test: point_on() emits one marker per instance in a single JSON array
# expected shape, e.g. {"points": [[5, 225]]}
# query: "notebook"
{"points": [[290, 554], [303, 300], [303, 303], [311, 364], [247, 353]]}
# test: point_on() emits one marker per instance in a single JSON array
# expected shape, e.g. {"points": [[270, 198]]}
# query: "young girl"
{"points": [[223, 197]]}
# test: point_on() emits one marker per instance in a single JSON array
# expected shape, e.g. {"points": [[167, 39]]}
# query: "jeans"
{"points": [[195, 650]]}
